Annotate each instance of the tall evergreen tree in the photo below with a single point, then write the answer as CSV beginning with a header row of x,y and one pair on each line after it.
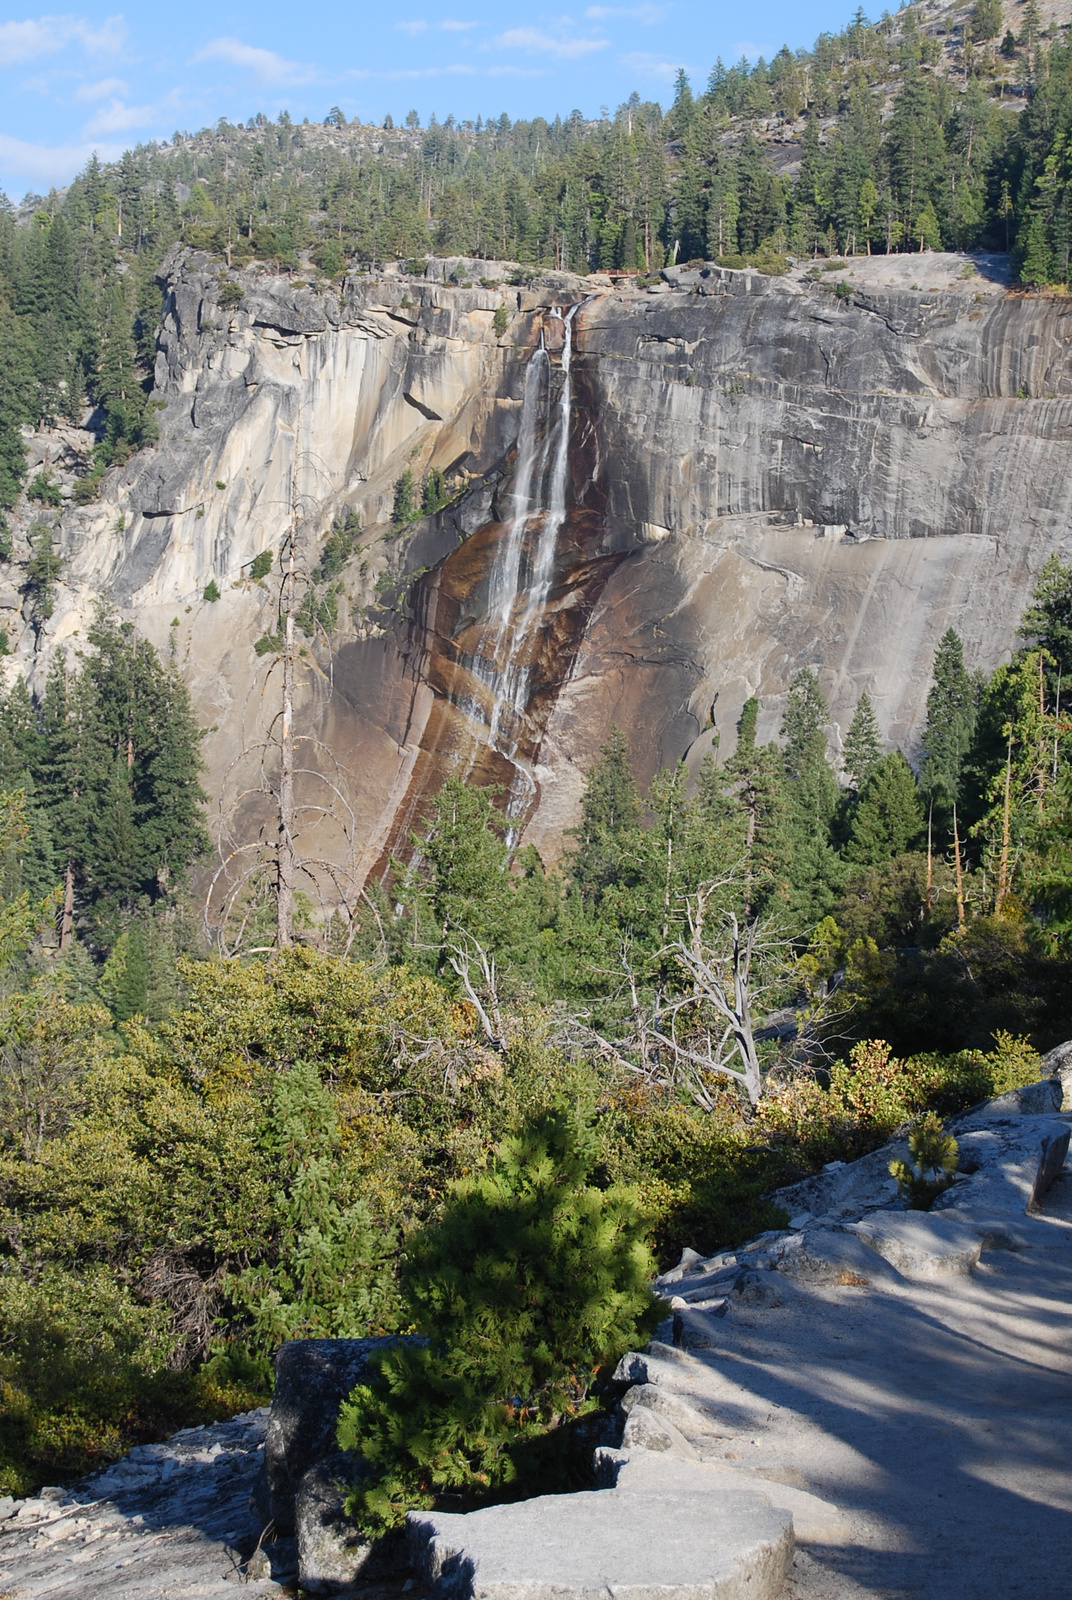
x,y
889,817
812,792
863,745
610,809
947,737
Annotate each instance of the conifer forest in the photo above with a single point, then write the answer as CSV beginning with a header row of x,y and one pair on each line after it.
x,y
721,982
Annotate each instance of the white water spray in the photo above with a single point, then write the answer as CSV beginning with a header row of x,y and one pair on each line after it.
x,y
523,573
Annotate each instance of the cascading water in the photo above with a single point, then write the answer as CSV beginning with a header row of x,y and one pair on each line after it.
x,y
523,572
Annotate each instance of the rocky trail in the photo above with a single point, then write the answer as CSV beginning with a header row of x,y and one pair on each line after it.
x,y
872,1404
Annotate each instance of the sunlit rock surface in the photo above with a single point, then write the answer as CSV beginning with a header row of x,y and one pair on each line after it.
x,y
763,474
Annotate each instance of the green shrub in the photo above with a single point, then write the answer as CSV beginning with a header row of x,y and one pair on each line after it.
x,y
405,503
339,545
330,258
934,1156
328,1272
502,321
530,1283
211,591
874,1092
42,570
844,291
45,490
269,644
261,565
230,295
85,1374
87,489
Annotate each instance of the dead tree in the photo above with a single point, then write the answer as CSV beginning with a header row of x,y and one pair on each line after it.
x,y
292,796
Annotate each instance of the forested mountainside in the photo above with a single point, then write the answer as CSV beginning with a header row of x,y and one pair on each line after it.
x,y
937,126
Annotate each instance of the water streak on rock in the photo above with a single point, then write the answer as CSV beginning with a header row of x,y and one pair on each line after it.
x,y
522,575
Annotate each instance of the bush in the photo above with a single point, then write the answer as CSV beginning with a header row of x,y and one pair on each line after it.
x,y
45,490
934,1155
230,295
330,258
42,570
328,1273
261,565
501,321
875,1092
339,546
211,591
531,1283
87,489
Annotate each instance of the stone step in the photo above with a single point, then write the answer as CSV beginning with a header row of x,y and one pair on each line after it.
x,y
722,1543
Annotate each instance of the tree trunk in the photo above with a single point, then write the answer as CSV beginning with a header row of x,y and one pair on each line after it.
x,y
285,848
1003,863
959,870
67,915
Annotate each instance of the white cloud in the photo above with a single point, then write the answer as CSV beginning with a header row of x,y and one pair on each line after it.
x,y
645,14
418,25
535,42
264,64
649,66
116,117
458,67
101,90
47,165
43,36
745,47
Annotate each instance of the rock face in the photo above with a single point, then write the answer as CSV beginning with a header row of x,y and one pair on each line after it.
x,y
760,476
312,1379
720,1542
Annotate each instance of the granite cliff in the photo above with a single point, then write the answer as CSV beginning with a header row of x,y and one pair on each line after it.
x,y
756,474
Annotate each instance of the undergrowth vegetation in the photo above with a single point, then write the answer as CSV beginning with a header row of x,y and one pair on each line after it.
x,y
516,1089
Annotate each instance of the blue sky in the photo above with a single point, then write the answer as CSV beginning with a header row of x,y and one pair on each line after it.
x,y
103,79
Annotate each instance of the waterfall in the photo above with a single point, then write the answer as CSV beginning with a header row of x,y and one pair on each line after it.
x,y
524,569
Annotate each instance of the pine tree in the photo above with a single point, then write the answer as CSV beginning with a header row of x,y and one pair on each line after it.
x,y
17,398
758,775
813,868
915,147
131,989
610,810
328,1273
863,745
888,820
1047,622
951,714
531,1279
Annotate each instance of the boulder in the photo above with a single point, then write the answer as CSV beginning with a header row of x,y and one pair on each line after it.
x,y
1008,1163
1031,1100
826,1255
815,1521
685,1414
759,1289
312,1379
1057,1063
721,1544
331,1554
920,1245
700,1330
647,1430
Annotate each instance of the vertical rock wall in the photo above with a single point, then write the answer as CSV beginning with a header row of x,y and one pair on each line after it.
x,y
764,475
